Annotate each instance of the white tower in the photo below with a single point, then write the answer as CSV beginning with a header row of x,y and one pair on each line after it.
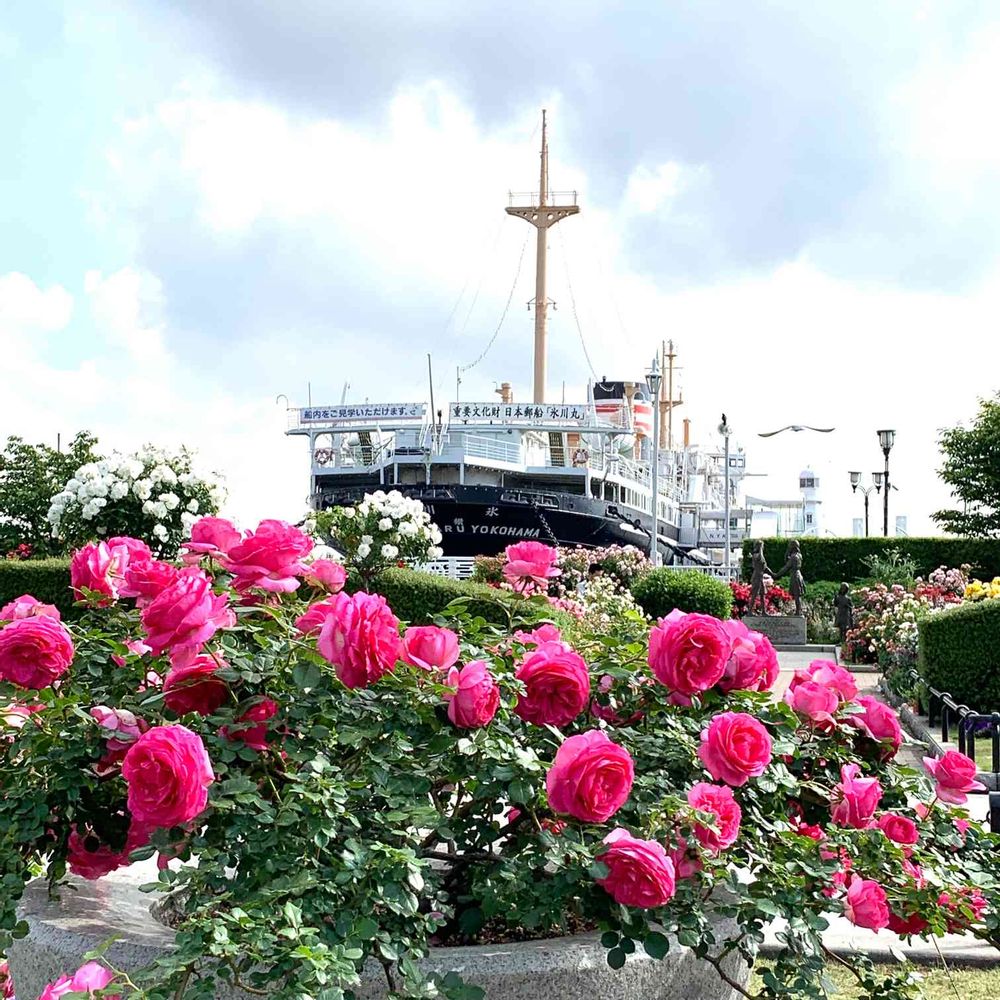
x,y
809,487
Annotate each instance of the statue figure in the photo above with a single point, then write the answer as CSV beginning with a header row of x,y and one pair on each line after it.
x,y
793,566
844,611
759,570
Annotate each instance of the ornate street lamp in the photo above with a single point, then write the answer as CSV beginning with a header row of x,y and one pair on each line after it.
x,y
725,430
876,487
886,440
653,379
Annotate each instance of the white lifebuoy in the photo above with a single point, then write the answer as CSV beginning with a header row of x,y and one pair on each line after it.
x,y
581,456
323,456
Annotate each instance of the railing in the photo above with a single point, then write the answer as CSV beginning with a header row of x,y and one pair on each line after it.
x,y
719,572
529,199
484,446
454,567
947,712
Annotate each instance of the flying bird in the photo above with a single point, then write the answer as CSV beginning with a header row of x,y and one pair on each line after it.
x,y
798,427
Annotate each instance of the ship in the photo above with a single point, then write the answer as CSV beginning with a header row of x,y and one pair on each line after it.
x,y
492,473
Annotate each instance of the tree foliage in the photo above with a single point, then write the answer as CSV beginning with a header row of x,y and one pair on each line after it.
x,y
972,469
30,475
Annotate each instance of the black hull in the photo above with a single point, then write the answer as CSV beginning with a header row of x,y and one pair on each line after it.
x,y
484,520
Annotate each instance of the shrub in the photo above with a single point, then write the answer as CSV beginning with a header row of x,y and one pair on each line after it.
x,y
662,590
46,579
843,558
776,599
959,652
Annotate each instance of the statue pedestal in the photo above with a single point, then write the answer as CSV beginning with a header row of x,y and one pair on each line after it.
x,y
782,630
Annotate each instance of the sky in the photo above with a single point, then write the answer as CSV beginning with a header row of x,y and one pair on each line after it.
x,y
210,208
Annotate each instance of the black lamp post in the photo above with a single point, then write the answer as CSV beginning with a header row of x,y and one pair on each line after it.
x,y
886,440
876,487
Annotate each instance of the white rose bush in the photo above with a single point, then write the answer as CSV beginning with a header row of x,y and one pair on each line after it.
x,y
385,529
152,494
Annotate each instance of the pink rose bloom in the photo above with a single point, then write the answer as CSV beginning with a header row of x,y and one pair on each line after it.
x,y
253,736
879,722
854,801
210,536
906,926
544,633
967,907
14,716
145,581
734,748
813,701
327,574
430,647
168,773
27,606
269,558
475,698
92,976
34,652
185,616
90,859
954,773
639,871
753,665
136,550
688,653
99,568
360,637
58,988
6,983
195,686
530,565
557,685
827,672
685,858
719,801
122,727
899,829
866,904
312,621
590,778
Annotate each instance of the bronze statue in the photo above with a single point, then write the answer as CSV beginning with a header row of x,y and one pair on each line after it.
x,y
760,569
793,566
844,611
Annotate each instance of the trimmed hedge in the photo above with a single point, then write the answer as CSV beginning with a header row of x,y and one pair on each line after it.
x,y
959,652
841,559
662,590
46,579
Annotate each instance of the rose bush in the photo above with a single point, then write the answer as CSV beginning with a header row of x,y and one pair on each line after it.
x,y
352,789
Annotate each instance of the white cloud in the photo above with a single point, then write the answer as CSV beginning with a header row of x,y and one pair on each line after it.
x,y
127,308
651,188
25,308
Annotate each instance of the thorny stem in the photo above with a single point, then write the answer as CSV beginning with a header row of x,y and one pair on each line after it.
x,y
179,995
239,984
727,979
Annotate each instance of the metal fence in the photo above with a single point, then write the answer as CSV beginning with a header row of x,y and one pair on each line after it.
x,y
969,726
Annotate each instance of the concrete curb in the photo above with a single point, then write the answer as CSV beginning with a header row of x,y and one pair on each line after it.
x,y
969,956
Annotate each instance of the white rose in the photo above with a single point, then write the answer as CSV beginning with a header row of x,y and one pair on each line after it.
x,y
73,484
389,552
187,520
143,489
193,505
367,539
347,512
309,525
385,524
170,500
160,510
160,531
364,551
119,490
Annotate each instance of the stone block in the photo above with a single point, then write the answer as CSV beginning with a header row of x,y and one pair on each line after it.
x,y
782,630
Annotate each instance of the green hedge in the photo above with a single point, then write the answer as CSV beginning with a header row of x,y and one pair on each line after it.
x,y
959,652
662,590
841,559
46,579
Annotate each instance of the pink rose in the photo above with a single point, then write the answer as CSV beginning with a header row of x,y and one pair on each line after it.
x,y
145,581
6,983
195,686
210,536
557,685
360,637
854,801
312,621
688,653
99,568
827,672
866,904
91,859
687,861
906,926
253,736
34,652
430,647
965,908
168,773
475,698
879,722
639,871
734,748
27,606
327,574
954,773
590,778
530,566
14,716
86,979
185,616
136,550
813,701
753,665
899,829
269,558
544,633
121,729
717,800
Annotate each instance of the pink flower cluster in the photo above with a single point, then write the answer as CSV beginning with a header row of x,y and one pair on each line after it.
x,y
530,566
88,978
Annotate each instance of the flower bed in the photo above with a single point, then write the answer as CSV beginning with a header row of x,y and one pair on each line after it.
x,y
356,791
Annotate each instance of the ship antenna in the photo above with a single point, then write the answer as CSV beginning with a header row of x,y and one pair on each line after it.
x,y
542,213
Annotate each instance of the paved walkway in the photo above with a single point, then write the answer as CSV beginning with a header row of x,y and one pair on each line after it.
x,y
843,937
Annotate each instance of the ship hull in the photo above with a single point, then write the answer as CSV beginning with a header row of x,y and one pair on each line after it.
x,y
484,520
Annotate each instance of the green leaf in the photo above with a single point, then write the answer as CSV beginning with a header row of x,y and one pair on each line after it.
x,y
609,939
366,928
656,945
616,958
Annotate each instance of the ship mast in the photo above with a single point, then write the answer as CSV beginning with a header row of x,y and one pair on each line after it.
x,y
542,213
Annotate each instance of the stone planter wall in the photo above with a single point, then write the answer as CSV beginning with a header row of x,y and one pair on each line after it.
x,y
88,913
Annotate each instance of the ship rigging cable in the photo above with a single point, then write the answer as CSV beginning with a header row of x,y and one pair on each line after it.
x,y
572,302
503,315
